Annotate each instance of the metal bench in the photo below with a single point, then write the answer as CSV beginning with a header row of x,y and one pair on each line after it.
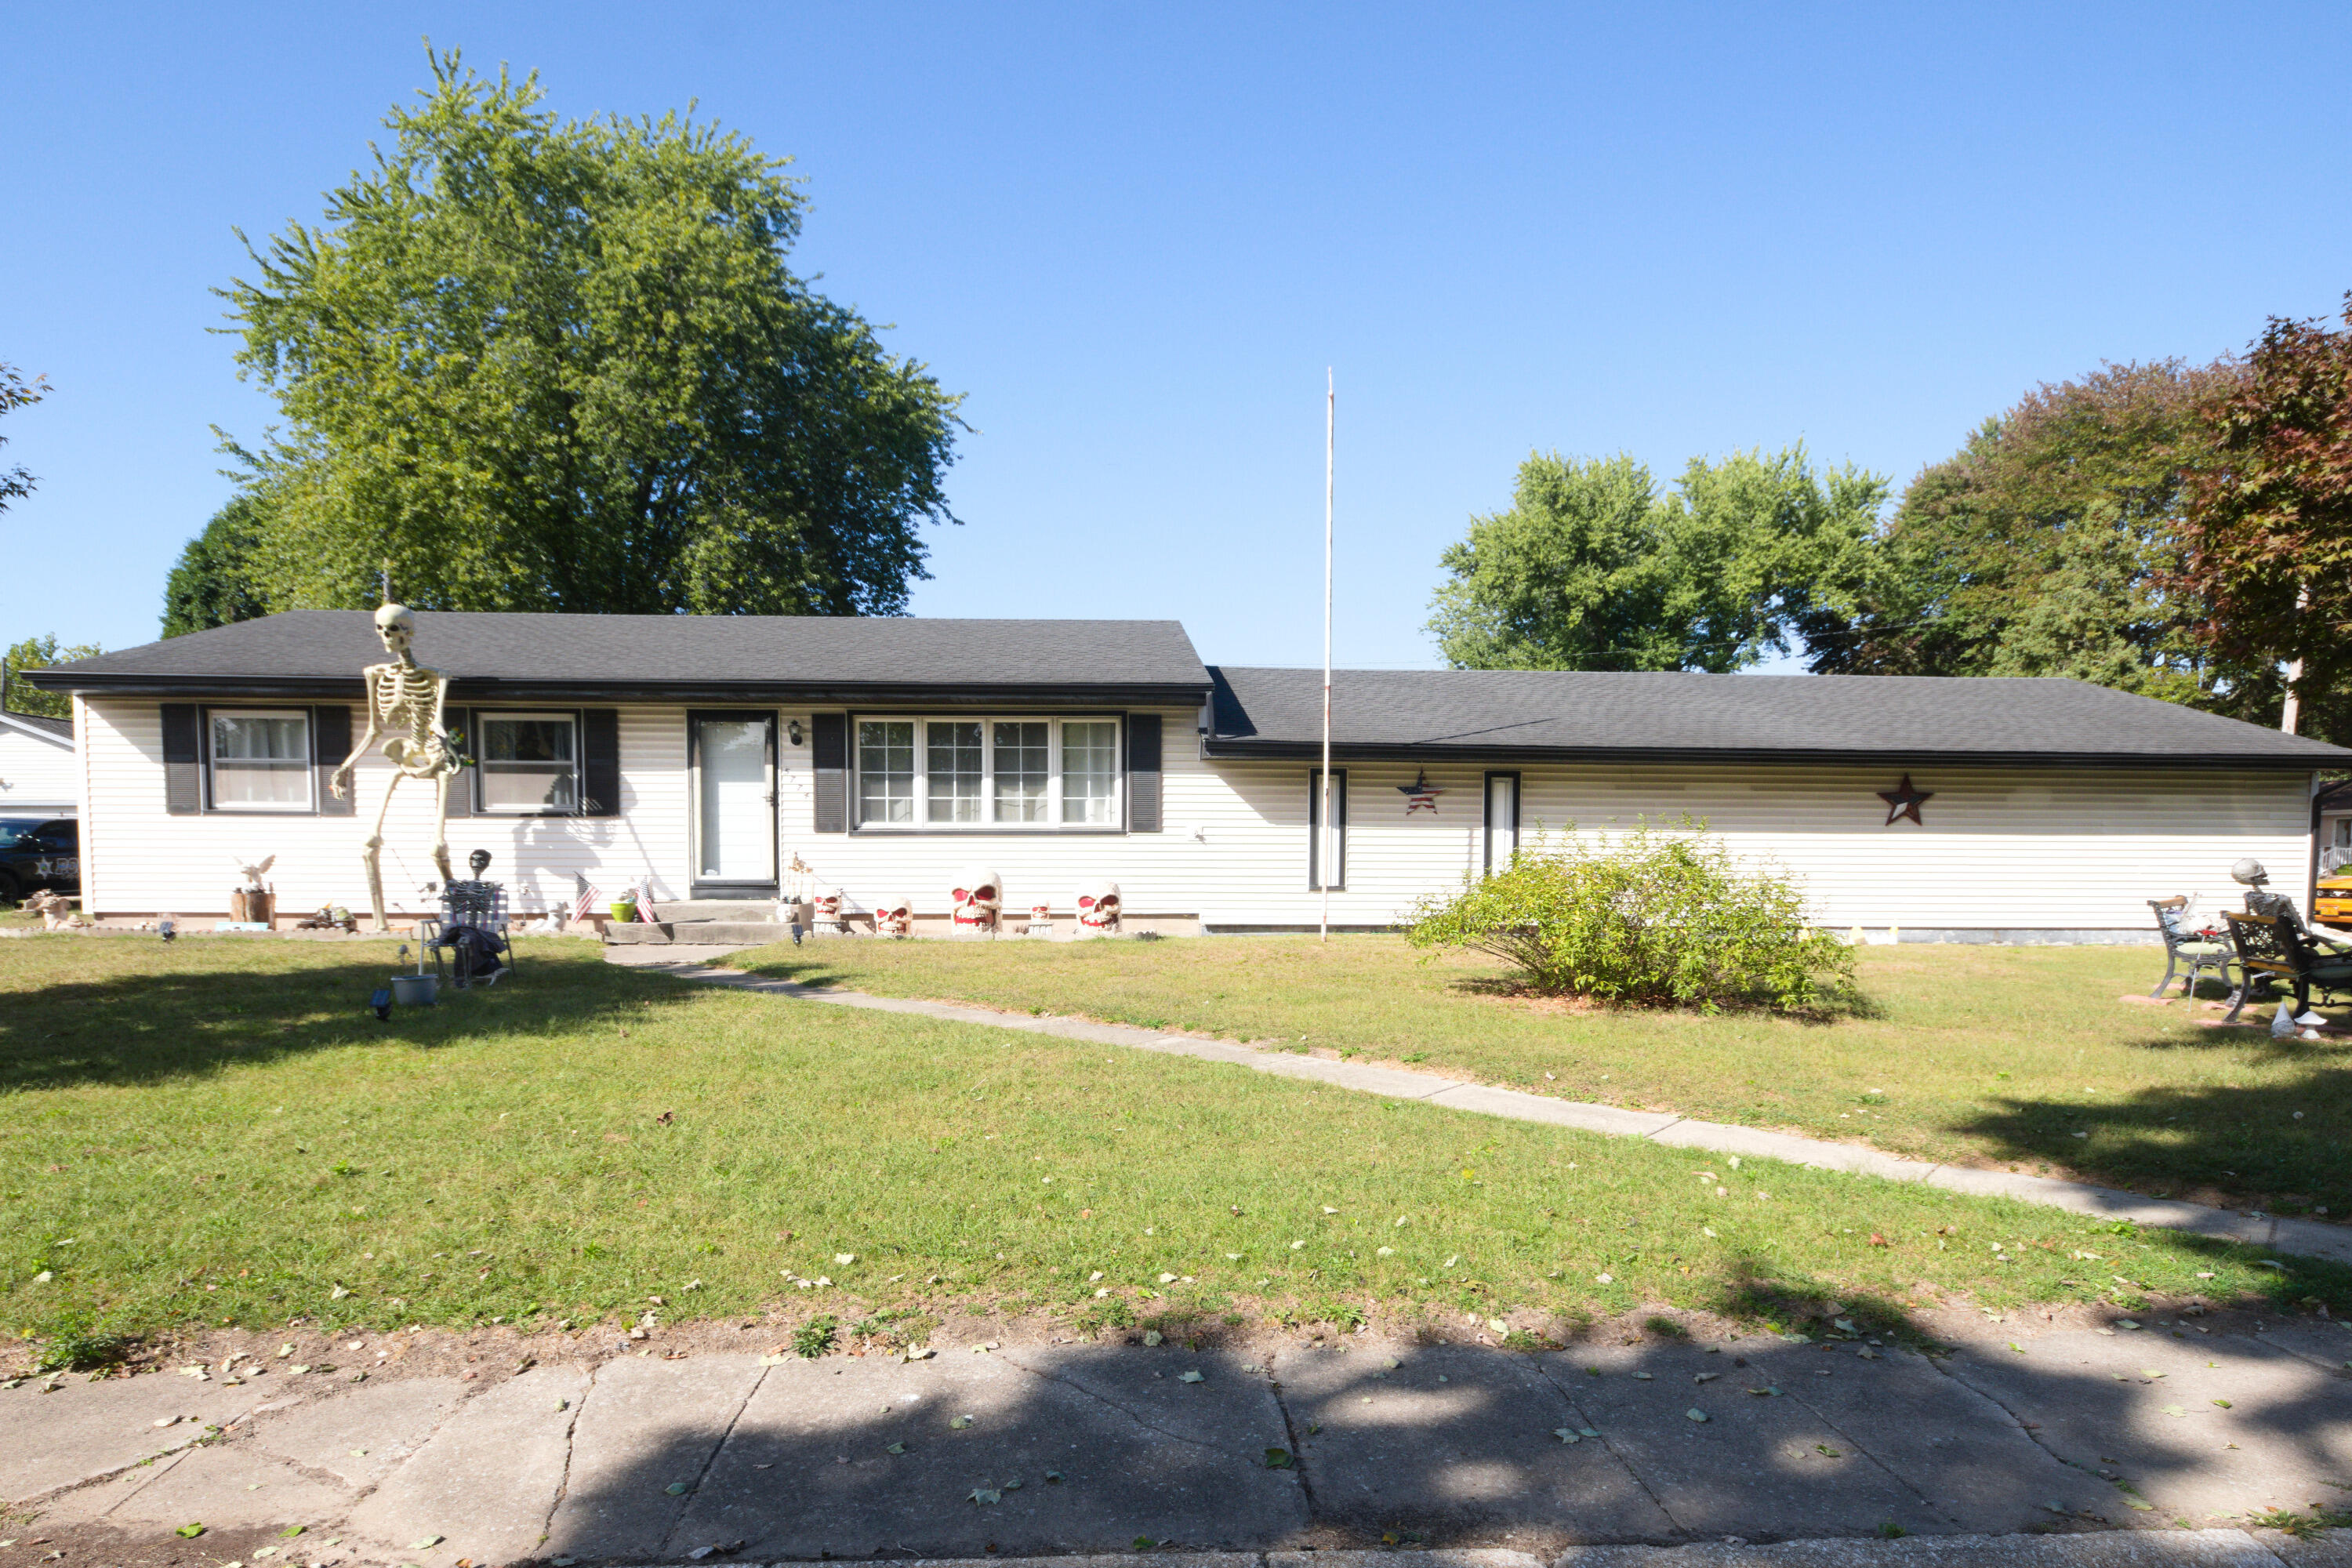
x,y
2183,946
2275,948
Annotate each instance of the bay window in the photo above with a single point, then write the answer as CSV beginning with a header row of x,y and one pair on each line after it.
x,y
979,774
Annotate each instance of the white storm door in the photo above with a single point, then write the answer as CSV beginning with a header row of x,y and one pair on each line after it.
x,y
1502,820
735,800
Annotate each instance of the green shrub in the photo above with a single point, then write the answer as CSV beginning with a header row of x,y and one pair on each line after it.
x,y
1648,918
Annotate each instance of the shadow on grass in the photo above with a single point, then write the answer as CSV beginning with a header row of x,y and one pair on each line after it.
x,y
183,1015
1847,1007
2278,1145
1800,1428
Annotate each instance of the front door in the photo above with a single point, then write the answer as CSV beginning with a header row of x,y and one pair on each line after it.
x,y
734,766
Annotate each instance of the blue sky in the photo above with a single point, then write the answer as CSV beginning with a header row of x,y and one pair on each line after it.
x,y
1134,237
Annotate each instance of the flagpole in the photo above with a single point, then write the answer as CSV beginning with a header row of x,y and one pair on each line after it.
x,y
1328,833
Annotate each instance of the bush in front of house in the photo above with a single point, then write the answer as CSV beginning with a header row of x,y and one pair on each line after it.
x,y
1650,918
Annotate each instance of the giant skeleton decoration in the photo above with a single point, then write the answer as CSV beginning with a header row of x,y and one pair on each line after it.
x,y
404,704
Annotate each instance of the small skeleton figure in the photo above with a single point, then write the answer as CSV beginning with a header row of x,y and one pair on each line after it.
x,y
405,699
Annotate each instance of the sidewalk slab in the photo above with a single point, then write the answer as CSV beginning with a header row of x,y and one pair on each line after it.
x,y
1400,1447
361,1435
1757,1466
228,1486
646,1426
1751,1142
1522,1107
1968,1457
808,1468
2285,1433
88,1429
2114,1549
487,1479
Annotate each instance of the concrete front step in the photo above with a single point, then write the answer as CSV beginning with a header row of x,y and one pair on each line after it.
x,y
701,934
761,910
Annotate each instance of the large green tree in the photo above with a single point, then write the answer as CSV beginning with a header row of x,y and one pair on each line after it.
x,y
532,365
214,583
36,653
2267,538
2050,544
1596,566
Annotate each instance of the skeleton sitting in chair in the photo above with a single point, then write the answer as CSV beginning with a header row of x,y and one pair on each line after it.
x,y
405,703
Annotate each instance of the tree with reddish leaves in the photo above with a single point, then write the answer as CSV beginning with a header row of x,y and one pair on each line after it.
x,y
2267,529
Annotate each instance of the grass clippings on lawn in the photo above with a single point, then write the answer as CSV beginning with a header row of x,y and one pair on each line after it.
x,y
2013,1057
219,1133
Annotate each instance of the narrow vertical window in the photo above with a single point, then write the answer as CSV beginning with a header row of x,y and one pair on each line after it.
x,y
886,770
954,767
1315,835
1023,764
1090,772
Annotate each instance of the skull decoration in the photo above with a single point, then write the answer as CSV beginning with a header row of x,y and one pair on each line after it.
x,y
894,916
978,897
1098,906
825,909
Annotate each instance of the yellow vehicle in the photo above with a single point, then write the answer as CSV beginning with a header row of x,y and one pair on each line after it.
x,y
2331,902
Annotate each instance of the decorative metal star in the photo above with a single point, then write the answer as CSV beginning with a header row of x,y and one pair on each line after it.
x,y
1421,795
1904,801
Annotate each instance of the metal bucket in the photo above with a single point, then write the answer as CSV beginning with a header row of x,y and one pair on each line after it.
x,y
414,990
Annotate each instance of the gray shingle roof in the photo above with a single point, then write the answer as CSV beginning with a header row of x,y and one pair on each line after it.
x,y
1503,714
60,728
719,657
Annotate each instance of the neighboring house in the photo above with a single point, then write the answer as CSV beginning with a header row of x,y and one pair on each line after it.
x,y
39,774
2333,808
706,754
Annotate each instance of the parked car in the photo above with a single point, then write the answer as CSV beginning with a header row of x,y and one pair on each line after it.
x,y
39,852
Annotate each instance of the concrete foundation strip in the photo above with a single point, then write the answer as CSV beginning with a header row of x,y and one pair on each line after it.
x,y
2307,1238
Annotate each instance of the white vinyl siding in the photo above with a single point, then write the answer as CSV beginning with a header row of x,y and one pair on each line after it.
x,y
2002,848
39,775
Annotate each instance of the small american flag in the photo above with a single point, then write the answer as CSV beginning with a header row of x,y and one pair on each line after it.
x,y
583,901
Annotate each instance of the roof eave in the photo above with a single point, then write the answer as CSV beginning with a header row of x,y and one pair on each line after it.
x,y
467,691
1230,748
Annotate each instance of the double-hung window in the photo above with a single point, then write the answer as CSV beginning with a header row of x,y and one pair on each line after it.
x,y
1022,775
529,763
261,760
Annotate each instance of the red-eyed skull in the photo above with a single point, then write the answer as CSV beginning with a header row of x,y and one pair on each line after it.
x,y
826,906
893,917
1099,906
978,897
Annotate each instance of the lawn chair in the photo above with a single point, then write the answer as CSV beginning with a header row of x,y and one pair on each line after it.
x,y
473,929
2181,945
2272,948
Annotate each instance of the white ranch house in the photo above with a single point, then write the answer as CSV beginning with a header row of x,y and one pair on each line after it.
x,y
704,755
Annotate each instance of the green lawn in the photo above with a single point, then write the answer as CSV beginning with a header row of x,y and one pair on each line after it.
x,y
1995,1056
217,1132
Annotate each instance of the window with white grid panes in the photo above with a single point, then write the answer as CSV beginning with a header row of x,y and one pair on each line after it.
x,y
1023,775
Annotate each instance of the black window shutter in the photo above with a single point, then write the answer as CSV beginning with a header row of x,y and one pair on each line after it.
x,y
599,761
829,754
183,780
330,743
1143,772
458,722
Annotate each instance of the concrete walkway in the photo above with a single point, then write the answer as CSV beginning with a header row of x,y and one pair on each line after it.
x,y
2307,1238
1063,1448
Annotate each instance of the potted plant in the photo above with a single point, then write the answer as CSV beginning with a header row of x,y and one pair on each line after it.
x,y
623,910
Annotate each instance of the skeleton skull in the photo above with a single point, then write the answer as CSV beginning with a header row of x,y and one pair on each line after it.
x,y
893,917
825,907
1098,906
396,624
978,897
